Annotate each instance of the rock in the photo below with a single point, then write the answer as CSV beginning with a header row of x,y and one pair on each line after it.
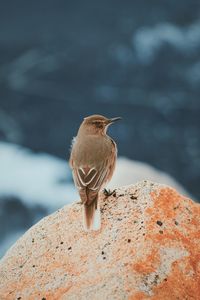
x,y
148,248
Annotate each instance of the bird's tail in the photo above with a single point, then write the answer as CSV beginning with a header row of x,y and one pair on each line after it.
x,y
91,216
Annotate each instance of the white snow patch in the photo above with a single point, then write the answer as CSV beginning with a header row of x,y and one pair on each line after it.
x,y
148,41
35,178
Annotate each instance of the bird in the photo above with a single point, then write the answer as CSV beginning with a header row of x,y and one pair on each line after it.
x,y
92,160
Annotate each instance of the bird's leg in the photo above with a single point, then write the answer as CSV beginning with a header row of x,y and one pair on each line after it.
x,y
108,192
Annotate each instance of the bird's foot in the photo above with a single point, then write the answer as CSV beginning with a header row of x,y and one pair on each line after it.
x,y
108,192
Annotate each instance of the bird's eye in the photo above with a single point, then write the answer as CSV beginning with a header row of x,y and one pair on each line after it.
x,y
98,124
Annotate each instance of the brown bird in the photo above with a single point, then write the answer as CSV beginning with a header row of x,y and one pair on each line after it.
x,y
92,160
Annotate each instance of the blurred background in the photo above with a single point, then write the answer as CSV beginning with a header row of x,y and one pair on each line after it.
x,y
63,60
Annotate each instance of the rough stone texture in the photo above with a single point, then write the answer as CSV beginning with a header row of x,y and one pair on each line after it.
x,y
148,248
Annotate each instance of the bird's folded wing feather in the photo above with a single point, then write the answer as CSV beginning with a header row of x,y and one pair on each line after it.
x,y
91,178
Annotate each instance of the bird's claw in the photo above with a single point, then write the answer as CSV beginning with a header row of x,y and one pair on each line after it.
x,y
108,192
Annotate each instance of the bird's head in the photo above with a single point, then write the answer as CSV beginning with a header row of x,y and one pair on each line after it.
x,y
97,124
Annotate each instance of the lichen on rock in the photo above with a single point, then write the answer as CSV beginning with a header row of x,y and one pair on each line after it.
x,y
148,248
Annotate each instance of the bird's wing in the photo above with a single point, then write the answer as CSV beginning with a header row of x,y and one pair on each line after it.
x,y
91,178
89,181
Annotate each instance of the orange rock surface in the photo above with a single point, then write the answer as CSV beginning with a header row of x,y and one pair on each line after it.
x,y
148,248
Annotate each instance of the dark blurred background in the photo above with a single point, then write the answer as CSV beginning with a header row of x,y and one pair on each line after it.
x,y
63,60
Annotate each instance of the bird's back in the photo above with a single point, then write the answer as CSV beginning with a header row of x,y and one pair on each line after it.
x,y
92,150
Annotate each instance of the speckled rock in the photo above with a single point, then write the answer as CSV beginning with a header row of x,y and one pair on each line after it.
x,y
148,248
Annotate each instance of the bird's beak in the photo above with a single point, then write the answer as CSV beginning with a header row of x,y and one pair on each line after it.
x,y
112,120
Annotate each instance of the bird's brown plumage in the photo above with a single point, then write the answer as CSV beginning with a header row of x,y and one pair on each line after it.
x,y
92,160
